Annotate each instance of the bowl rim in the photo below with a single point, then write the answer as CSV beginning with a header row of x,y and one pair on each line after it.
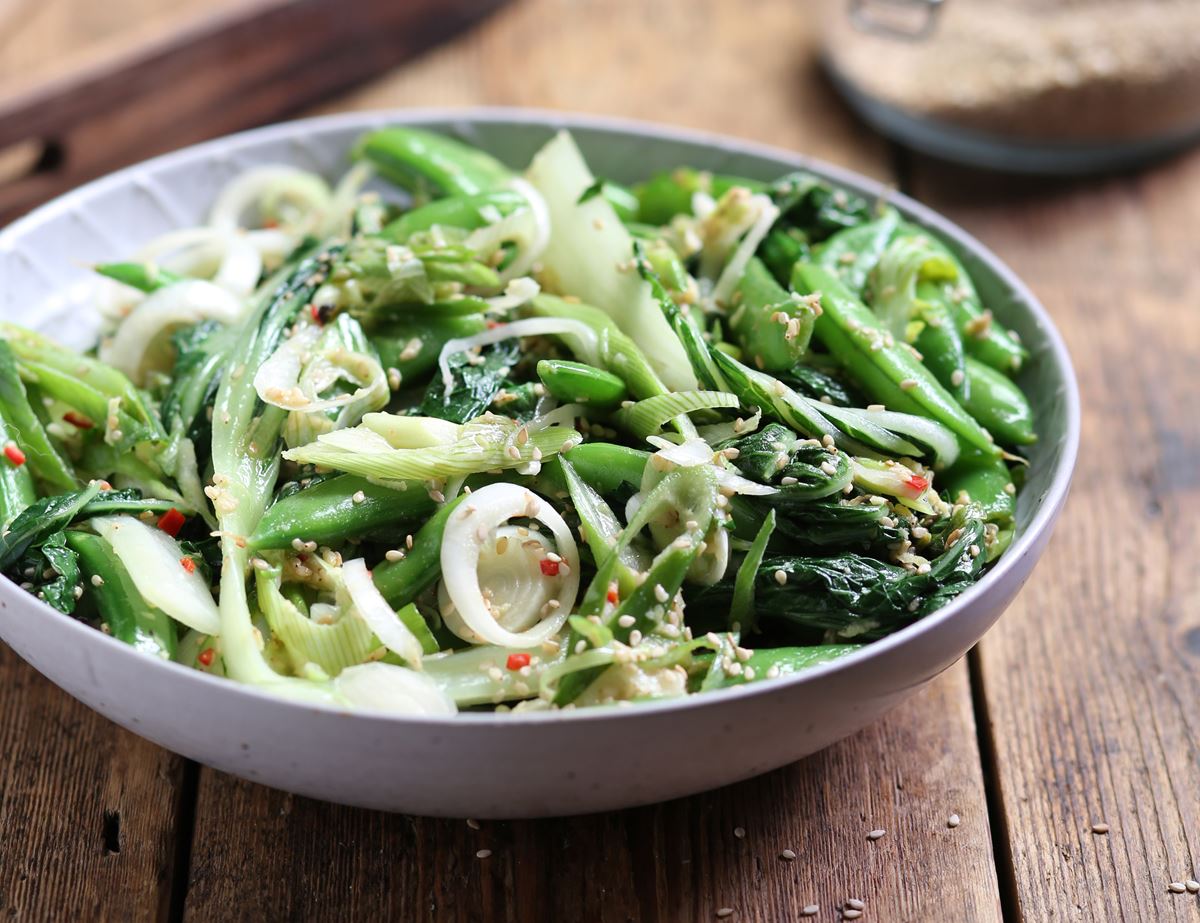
x,y
1056,352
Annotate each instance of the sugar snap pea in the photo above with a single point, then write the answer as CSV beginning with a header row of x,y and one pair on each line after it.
x,y
461,211
887,370
574,381
400,582
772,326
337,508
415,158
999,405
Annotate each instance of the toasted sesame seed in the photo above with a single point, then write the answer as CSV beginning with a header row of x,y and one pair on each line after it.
x,y
953,821
1192,885
1100,828
810,910
957,377
781,576
1177,887
788,855
739,832
660,593
97,580
635,638
437,496
724,912
358,497
472,823
855,904
851,914
876,834
483,854
773,671
908,384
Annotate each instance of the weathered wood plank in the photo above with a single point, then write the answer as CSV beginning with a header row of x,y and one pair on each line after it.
x,y
705,65
89,812
274,855
1092,680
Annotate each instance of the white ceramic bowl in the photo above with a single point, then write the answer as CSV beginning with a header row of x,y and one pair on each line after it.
x,y
480,765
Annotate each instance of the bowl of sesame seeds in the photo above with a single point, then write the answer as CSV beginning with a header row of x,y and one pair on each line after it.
x,y
519,764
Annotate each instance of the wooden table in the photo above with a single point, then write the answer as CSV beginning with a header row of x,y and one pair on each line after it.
x,y
1081,707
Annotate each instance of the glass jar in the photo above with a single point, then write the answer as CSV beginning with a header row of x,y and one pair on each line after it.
x,y
1047,86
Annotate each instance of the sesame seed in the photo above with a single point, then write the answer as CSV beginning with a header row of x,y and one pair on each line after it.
x,y
626,621
953,821
97,580
739,832
635,638
908,384
788,855
855,904
1100,828
660,593
781,576
580,646
483,854
773,671
358,497
851,914
1177,887
810,910
472,823
394,554
1192,885
876,835
957,377
724,912
437,496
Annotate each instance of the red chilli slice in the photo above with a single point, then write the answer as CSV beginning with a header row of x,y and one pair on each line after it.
x,y
205,657
188,564
78,420
172,521
549,568
516,661
918,483
14,455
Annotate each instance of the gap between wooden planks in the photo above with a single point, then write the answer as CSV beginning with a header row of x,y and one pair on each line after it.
x,y
1092,680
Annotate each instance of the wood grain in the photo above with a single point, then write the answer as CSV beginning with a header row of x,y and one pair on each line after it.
x,y
704,65
678,861
1092,680
89,812
248,63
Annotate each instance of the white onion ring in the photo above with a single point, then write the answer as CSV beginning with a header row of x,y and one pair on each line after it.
x,y
473,524
176,305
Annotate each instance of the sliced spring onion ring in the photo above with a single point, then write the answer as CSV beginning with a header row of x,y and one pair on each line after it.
x,y
731,275
278,380
273,188
473,525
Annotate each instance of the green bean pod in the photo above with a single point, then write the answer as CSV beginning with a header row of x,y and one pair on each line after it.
x,y
999,405
762,320
890,374
412,342
338,508
852,254
145,277
414,158
940,344
669,194
606,466
400,582
126,614
461,211
988,482
575,382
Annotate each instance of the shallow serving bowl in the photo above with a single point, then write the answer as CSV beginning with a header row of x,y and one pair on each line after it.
x,y
481,765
